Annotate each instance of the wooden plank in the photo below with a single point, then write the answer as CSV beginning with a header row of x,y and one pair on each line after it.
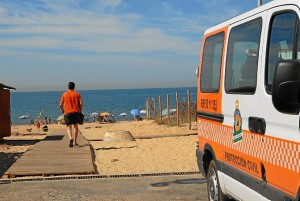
x,y
83,163
53,165
57,166
41,152
54,157
49,171
41,173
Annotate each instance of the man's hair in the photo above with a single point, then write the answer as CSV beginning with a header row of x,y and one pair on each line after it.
x,y
71,85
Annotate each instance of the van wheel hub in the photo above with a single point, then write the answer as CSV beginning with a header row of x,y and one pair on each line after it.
x,y
213,187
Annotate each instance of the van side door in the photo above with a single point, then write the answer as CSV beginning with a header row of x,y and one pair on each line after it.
x,y
278,148
240,103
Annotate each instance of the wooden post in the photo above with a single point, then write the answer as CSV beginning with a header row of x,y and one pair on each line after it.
x,y
168,108
147,108
150,107
189,109
154,106
160,108
177,109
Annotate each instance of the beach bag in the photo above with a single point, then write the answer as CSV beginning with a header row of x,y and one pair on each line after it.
x,y
81,118
45,128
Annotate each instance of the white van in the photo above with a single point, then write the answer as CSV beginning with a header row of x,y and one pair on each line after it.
x,y
248,102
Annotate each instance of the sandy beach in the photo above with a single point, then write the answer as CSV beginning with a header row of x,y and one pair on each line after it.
x,y
156,149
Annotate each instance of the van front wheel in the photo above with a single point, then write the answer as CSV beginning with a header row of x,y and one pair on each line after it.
x,y
213,185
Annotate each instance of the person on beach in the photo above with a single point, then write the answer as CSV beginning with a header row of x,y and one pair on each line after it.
x,y
38,125
71,105
45,121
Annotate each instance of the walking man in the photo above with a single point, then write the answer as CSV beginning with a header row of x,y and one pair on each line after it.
x,y
71,105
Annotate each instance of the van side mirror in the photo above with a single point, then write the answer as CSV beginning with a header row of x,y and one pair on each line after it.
x,y
286,87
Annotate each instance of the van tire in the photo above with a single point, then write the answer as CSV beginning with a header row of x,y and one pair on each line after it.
x,y
213,185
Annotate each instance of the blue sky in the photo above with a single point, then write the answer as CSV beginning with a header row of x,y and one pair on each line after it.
x,y
106,44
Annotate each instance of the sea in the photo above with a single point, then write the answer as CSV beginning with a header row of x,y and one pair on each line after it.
x,y
117,101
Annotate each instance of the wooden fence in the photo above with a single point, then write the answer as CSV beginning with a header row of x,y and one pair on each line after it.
x,y
185,111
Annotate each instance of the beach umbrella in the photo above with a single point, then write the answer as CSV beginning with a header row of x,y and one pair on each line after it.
x,y
143,111
135,112
94,114
173,110
165,112
24,117
123,114
61,117
103,114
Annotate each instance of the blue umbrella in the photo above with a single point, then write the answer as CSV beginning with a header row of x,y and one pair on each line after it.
x,y
94,114
165,112
135,112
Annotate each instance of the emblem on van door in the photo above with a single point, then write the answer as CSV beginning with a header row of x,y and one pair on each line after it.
x,y
237,135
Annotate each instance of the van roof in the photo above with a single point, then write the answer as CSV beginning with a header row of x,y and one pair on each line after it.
x,y
254,11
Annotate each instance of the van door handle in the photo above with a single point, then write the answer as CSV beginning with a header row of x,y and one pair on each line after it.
x,y
257,125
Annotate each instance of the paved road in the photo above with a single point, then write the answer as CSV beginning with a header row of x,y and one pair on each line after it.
x,y
186,187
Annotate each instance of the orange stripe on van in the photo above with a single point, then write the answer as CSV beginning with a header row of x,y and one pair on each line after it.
x,y
281,158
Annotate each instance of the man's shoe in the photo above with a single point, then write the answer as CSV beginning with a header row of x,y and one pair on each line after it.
x,y
71,143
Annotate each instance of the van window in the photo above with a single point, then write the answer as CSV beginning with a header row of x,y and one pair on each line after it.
x,y
211,63
242,57
281,43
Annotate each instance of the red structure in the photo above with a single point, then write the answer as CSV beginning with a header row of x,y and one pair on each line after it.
x,y
5,123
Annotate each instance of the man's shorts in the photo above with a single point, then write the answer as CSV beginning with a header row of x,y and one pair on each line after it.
x,y
72,118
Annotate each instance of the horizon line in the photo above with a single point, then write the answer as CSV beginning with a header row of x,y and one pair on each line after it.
x,y
25,91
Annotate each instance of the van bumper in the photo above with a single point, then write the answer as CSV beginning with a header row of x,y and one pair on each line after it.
x,y
200,155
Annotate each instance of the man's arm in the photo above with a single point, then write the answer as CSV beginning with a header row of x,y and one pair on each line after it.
x,y
80,104
62,108
61,104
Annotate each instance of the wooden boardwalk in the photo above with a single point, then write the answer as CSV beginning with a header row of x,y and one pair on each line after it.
x,y
53,156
